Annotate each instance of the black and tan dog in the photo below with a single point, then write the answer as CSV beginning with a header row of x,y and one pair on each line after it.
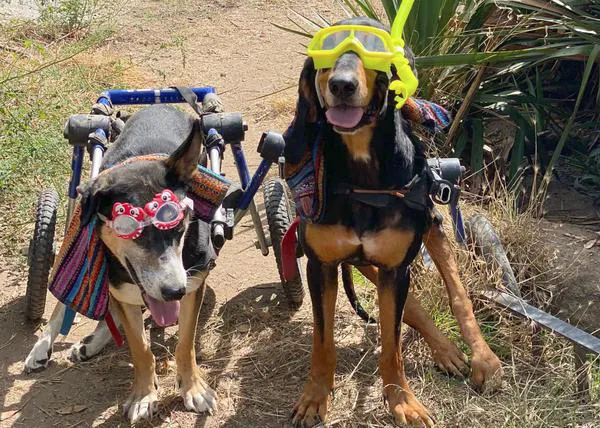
x,y
164,269
374,151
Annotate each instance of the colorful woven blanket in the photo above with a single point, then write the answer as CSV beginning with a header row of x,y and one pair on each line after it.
x,y
430,115
80,274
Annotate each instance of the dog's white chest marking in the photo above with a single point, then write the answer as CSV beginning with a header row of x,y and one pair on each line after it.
x,y
127,293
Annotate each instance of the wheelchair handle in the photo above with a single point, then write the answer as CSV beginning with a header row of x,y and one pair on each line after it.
x,y
150,96
448,169
231,126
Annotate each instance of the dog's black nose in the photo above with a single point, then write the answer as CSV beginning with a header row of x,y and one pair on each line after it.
x,y
343,85
172,293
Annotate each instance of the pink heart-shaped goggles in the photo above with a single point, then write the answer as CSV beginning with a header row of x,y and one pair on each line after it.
x,y
165,212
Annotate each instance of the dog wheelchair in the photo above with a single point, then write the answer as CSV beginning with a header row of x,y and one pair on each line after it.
x,y
94,132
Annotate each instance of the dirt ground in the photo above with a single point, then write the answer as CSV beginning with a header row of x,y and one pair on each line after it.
x,y
245,322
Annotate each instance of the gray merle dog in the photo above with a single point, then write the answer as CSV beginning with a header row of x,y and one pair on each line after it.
x,y
163,268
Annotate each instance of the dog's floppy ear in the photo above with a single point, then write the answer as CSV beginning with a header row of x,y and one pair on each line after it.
x,y
308,113
183,162
91,194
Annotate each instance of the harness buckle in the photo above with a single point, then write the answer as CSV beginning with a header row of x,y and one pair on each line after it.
x,y
443,192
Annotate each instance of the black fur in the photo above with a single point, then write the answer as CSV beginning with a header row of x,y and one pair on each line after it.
x,y
315,279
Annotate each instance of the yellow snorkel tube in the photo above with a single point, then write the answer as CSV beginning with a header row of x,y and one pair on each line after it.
x,y
407,82
377,48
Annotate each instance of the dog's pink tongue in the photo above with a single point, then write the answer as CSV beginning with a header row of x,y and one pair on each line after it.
x,y
344,117
164,313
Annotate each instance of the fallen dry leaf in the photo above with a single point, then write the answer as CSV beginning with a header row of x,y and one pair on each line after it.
x,y
590,244
73,408
243,328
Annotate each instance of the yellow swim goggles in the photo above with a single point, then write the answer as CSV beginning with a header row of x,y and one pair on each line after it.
x,y
377,49
374,46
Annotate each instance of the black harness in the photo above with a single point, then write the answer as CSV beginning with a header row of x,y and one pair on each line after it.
x,y
430,183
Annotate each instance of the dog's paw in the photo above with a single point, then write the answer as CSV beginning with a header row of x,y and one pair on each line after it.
x,y
197,395
486,371
449,359
78,352
139,406
311,408
406,409
39,356
88,347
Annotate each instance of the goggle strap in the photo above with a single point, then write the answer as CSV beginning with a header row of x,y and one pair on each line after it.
x,y
384,106
318,90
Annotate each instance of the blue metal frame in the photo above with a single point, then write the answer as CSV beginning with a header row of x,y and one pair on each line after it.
x,y
171,95
149,96
255,183
459,227
76,165
250,185
240,164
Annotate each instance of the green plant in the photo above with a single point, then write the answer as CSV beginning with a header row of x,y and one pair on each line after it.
x,y
38,92
64,17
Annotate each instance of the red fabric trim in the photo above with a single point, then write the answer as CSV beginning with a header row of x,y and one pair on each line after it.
x,y
116,334
288,252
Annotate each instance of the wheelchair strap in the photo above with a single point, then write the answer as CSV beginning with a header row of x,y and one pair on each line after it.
x,y
190,97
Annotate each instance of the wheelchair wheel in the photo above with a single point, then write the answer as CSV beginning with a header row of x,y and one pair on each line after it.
x,y
280,208
41,253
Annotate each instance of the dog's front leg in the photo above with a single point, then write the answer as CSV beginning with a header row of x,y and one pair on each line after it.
x,y
142,400
40,354
486,370
312,406
445,353
392,291
196,393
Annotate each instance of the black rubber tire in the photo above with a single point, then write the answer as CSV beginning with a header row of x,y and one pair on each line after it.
x,y
280,208
41,253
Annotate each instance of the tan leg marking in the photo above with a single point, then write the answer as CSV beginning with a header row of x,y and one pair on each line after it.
x,y
445,353
142,401
403,405
359,143
388,247
486,370
331,243
312,405
196,393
